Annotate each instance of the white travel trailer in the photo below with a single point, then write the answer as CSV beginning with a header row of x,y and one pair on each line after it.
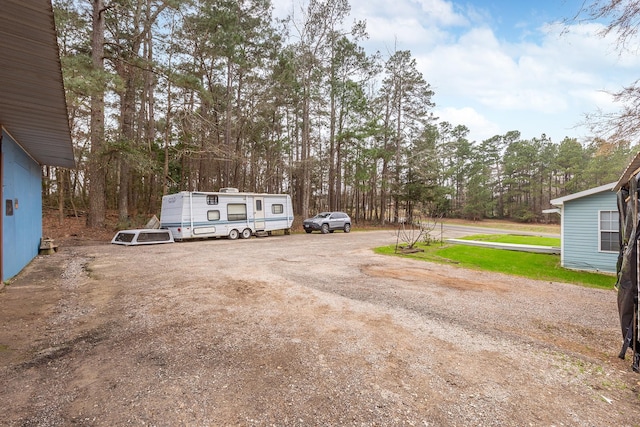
x,y
227,213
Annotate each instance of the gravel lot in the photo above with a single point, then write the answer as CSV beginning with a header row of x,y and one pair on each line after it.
x,y
302,330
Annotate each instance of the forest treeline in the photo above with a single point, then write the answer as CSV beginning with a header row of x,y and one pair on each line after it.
x,y
172,95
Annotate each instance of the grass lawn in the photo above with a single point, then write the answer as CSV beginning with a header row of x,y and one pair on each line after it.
x,y
525,264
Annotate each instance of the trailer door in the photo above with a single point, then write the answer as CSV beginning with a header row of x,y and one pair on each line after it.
x,y
258,213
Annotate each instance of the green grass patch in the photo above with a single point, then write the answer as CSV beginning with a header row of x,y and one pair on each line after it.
x,y
517,239
523,264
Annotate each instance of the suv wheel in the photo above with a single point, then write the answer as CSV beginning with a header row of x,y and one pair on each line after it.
x,y
324,229
347,227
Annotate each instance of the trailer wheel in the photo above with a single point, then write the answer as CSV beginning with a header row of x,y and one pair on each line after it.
x,y
246,233
233,234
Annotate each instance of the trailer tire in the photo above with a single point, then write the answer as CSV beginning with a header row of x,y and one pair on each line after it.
x,y
233,234
246,233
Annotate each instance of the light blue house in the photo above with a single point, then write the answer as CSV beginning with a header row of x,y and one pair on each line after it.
x,y
589,229
34,127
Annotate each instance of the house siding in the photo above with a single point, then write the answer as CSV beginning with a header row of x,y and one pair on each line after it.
x,y
580,233
22,190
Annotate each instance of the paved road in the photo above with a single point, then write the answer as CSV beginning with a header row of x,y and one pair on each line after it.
x,y
456,231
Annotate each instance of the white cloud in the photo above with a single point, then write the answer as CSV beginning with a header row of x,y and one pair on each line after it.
x,y
442,12
602,99
407,31
541,78
475,66
282,8
430,13
493,86
481,128
413,24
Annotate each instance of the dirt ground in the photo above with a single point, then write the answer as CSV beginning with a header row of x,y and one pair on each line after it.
x,y
301,330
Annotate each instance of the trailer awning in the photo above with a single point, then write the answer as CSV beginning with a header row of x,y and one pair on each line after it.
x,y
33,109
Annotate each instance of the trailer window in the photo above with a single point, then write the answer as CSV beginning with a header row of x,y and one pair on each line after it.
x,y
236,212
609,231
277,209
259,205
213,215
212,199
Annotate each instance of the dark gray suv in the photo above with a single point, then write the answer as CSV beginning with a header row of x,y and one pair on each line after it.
x,y
328,222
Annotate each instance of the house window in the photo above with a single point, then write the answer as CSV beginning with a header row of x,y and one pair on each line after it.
x,y
609,231
277,209
212,199
213,215
236,212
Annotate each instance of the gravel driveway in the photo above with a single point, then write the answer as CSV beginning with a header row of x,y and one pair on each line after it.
x,y
302,330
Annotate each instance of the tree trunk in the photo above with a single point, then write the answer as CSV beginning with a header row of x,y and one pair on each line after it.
x,y
305,185
396,201
333,203
128,112
227,127
150,130
97,177
60,182
167,138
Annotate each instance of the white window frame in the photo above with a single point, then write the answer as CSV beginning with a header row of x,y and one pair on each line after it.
x,y
601,230
237,212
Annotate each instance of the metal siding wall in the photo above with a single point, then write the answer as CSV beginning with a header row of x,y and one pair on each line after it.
x,y
22,231
581,240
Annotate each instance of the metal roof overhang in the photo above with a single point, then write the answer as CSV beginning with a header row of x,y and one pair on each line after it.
x,y
33,108
560,200
632,169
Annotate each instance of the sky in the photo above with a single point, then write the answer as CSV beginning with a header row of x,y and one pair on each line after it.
x,y
498,66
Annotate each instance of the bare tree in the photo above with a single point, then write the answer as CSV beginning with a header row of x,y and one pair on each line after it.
x,y
418,230
623,22
623,18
